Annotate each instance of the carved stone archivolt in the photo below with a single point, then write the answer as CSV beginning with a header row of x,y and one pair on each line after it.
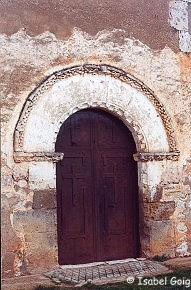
x,y
133,126
95,69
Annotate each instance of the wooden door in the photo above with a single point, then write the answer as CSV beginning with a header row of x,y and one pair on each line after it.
x,y
97,199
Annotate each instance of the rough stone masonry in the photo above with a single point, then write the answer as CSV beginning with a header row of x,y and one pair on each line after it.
x,y
130,58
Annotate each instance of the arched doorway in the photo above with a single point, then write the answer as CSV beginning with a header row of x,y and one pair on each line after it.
x,y
97,191
114,90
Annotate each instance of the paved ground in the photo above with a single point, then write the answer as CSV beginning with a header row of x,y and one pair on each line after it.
x,y
100,273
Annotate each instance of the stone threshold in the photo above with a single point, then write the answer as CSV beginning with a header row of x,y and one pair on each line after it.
x,y
105,272
101,263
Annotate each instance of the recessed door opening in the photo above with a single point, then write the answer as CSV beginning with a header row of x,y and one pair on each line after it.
x,y
97,189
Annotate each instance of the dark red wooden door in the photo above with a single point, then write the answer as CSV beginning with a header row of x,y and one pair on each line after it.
x,y
97,199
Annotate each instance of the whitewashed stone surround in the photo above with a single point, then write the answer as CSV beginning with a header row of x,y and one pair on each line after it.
x,y
68,91
179,19
92,86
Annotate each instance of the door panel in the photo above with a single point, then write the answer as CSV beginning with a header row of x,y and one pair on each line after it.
x,y
75,208
114,206
80,131
117,197
75,200
96,189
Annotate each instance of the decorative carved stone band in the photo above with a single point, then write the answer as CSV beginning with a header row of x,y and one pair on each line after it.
x,y
57,156
94,69
38,156
158,156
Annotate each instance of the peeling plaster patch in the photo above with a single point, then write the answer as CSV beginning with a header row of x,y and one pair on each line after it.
x,y
179,19
11,219
20,262
42,176
189,204
179,15
189,16
181,227
185,41
182,249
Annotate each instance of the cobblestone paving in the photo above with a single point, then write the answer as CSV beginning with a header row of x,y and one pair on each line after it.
x,y
105,272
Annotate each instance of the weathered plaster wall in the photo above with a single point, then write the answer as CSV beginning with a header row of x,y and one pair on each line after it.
x,y
61,17
28,198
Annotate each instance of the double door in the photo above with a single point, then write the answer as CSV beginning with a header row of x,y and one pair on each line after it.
x,y
97,206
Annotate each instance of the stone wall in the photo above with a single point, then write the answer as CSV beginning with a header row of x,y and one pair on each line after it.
x,y
32,54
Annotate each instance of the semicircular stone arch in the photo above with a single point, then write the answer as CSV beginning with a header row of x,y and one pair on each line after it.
x,y
102,86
